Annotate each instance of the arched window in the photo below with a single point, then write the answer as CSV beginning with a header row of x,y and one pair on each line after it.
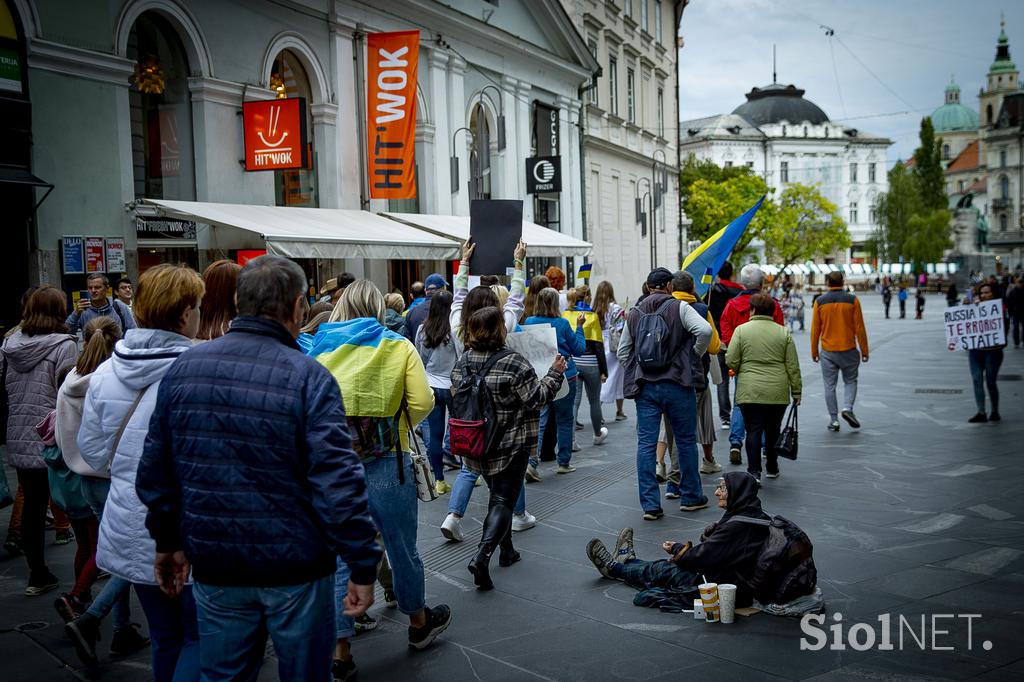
x,y
1004,187
480,160
295,187
161,111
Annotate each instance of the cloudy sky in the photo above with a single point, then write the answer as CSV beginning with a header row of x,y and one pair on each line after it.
x,y
888,56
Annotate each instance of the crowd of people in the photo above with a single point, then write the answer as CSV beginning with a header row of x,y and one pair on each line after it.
x,y
243,460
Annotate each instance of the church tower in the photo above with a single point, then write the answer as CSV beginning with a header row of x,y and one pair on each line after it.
x,y
1003,79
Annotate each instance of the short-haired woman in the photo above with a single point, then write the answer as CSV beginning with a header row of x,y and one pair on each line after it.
x,y
518,395
570,343
763,356
121,397
34,356
386,394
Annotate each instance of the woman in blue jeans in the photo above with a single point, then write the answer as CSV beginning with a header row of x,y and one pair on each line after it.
x,y
439,348
386,394
570,344
984,364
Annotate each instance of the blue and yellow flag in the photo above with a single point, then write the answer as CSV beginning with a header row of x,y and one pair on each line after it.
x,y
706,260
591,324
584,272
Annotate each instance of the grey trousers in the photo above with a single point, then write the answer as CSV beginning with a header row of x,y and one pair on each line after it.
x,y
832,363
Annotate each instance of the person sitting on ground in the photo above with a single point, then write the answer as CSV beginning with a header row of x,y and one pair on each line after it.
x,y
726,553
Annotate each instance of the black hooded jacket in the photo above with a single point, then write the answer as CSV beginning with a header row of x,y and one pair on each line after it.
x,y
728,551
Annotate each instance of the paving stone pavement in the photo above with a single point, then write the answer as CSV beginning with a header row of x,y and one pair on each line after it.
x,y
917,514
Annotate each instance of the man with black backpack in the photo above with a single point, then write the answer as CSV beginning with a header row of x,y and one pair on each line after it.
x,y
660,351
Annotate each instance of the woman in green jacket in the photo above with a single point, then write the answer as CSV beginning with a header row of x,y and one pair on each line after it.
x,y
763,357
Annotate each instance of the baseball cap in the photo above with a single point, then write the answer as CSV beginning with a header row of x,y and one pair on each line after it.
x,y
435,281
659,277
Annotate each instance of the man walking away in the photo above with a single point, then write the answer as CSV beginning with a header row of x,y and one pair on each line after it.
x,y
886,296
1015,307
249,472
417,314
720,294
838,327
98,305
663,376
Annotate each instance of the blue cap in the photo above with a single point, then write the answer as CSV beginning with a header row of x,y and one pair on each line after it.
x,y
435,281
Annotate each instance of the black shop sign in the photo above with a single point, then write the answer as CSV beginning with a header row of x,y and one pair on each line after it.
x,y
543,174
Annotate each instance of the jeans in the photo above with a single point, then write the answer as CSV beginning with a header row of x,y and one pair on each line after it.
x,y
590,377
643,575
848,362
724,405
679,404
984,366
173,633
234,623
394,509
36,487
764,421
116,593
562,409
463,490
737,432
435,435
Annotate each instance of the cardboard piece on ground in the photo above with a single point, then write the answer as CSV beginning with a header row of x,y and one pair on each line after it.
x,y
495,226
539,345
747,611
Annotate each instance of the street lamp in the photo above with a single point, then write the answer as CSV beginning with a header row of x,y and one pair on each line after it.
x,y
641,216
501,114
453,162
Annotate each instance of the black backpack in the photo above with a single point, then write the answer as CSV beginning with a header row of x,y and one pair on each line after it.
x,y
649,342
472,425
785,565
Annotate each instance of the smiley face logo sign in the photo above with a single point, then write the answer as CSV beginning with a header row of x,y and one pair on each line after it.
x,y
543,174
275,134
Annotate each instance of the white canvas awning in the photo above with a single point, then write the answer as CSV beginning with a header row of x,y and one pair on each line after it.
x,y
318,232
540,240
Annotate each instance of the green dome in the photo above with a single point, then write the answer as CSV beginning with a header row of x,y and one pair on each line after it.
x,y
950,117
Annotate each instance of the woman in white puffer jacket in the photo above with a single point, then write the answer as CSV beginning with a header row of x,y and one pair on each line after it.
x,y
167,311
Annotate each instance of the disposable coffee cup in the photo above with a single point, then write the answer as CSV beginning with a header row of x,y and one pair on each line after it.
x,y
727,602
698,609
709,596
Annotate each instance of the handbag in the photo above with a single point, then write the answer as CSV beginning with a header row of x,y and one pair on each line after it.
x,y
425,483
788,442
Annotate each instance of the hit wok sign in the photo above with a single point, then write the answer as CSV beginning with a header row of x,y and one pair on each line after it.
x,y
391,113
275,134
973,326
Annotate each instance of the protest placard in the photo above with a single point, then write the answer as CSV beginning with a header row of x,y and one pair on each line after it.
x,y
539,345
978,325
495,226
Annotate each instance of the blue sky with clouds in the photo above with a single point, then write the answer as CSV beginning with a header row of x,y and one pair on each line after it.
x,y
889,56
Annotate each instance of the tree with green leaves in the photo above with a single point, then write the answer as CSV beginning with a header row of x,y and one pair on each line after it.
x,y
928,169
805,224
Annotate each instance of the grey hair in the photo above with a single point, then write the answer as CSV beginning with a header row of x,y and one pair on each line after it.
x,y
362,298
98,275
268,287
751,276
683,281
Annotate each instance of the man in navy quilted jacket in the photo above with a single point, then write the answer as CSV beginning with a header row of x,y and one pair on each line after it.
x,y
253,487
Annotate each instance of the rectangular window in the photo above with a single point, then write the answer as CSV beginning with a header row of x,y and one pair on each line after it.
x,y
630,95
657,20
784,171
853,172
853,212
661,112
871,215
1002,158
613,85
871,172
592,96
627,8
644,24
728,164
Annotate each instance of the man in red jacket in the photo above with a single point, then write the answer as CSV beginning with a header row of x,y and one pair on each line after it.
x,y
736,312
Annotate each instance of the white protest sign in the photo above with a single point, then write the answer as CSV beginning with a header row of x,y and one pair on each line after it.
x,y
978,325
539,345
474,281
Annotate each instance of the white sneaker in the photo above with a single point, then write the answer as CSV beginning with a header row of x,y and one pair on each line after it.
x,y
452,528
575,446
600,438
524,521
711,467
532,475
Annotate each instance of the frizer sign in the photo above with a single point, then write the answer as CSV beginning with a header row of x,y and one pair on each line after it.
x,y
275,134
543,174
391,113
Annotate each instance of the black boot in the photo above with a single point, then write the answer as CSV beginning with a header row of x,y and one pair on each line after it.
x,y
508,554
497,524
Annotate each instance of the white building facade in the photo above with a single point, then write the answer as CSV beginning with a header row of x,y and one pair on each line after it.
x,y
788,139
95,125
630,127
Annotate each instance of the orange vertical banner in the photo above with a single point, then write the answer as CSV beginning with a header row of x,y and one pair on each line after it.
x,y
391,113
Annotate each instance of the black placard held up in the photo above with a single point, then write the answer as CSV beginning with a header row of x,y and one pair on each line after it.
x,y
495,226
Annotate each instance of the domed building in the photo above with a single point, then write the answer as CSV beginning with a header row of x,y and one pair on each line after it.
x,y
785,138
955,123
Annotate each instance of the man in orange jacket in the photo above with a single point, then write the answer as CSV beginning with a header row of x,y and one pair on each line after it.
x,y
838,327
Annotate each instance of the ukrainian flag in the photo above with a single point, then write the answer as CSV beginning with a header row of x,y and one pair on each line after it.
x,y
706,260
584,272
591,324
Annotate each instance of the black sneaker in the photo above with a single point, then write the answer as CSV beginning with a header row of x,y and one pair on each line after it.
x,y
653,515
365,623
979,418
69,607
41,583
12,545
84,632
735,455
438,620
994,417
850,418
344,670
695,506
390,600
127,641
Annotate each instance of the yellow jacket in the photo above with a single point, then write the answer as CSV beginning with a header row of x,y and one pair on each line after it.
x,y
716,342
